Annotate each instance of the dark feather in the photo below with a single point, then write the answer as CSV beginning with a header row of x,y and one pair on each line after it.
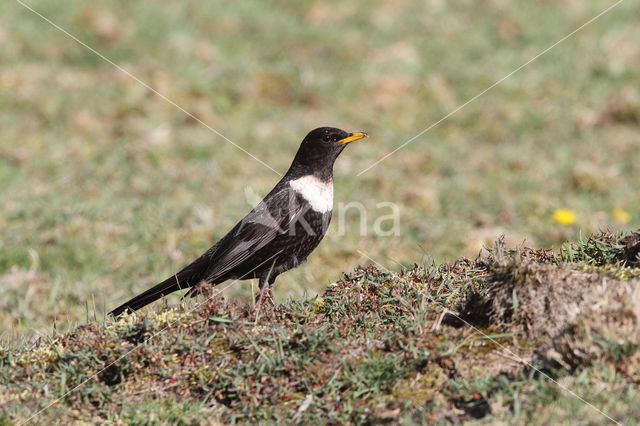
x,y
229,257
275,236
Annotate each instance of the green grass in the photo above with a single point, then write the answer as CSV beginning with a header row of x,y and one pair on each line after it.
x,y
107,188
434,343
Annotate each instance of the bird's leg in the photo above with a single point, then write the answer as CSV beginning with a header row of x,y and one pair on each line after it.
x,y
269,295
266,291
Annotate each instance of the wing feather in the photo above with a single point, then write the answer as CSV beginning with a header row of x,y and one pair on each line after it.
x,y
261,226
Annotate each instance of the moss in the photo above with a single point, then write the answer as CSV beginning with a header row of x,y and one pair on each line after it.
x,y
612,271
420,388
45,354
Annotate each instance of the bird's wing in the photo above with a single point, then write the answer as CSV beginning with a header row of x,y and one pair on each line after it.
x,y
274,215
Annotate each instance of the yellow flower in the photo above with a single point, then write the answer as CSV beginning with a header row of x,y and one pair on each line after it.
x,y
621,215
564,217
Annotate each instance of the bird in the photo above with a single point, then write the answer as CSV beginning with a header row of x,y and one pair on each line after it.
x,y
274,237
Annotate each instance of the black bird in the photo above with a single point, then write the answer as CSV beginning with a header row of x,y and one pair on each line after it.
x,y
278,234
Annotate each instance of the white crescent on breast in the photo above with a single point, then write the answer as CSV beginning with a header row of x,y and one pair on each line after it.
x,y
319,194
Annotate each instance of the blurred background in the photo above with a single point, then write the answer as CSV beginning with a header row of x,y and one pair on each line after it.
x,y
106,188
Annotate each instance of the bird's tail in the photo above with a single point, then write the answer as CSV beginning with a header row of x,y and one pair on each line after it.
x,y
189,276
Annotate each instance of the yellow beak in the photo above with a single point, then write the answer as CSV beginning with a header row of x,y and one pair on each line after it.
x,y
353,137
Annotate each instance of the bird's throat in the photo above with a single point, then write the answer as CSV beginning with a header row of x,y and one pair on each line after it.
x,y
318,193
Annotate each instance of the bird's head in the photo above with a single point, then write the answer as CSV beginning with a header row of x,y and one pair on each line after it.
x,y
331,138
320,148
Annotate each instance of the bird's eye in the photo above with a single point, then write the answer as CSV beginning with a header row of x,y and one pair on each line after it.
x,y
326,138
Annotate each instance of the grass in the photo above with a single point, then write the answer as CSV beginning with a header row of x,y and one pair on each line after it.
x,y
433,343
108,189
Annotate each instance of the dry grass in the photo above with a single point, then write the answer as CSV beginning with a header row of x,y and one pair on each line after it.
x,y
573,317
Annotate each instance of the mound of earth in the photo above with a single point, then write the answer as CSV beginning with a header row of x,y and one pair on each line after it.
x,y
432,343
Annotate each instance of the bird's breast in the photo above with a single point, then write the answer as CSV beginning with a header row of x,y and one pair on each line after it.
x,y
317,193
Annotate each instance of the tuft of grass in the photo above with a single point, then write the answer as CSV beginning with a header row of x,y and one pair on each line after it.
x,y
605,248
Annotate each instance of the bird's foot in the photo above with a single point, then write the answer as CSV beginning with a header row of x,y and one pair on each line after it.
x,y
265,295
